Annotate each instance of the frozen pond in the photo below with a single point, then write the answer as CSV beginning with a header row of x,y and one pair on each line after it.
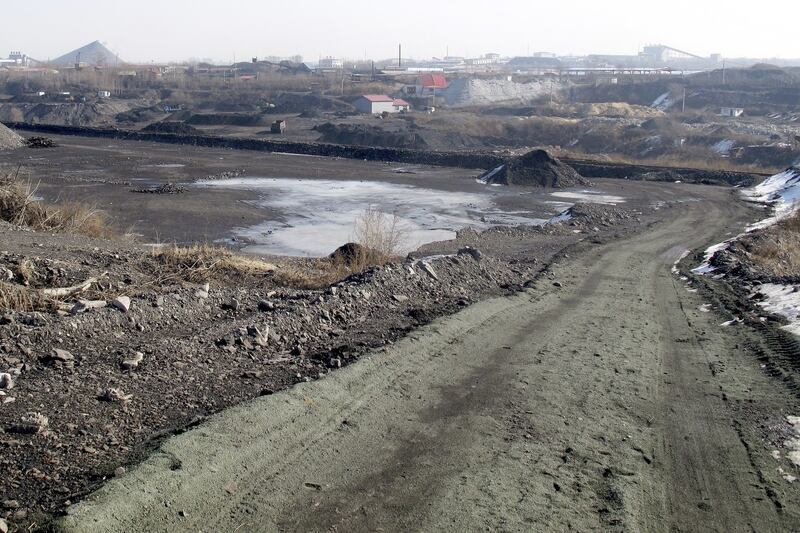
x,y
593,197
312,217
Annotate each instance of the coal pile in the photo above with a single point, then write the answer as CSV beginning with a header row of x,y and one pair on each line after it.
x,y
40,142
537,168
180,128
167,188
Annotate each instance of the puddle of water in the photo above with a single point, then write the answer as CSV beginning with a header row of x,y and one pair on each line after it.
x,y
314,217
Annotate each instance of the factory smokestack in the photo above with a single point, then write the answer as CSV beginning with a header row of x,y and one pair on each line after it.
x,y
400,56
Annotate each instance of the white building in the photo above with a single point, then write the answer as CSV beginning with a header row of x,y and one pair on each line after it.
x,y
375,104
401,106
104,94
732,112
331,63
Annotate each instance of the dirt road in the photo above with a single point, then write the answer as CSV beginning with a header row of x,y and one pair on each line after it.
x,y
611,402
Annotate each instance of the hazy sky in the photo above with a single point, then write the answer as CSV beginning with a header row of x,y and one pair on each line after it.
x,y
150,30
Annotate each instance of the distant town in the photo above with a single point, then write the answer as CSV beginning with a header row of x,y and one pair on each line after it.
x,y
656,59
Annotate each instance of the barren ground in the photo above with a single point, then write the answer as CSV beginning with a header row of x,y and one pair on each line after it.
x,y
580,386
611,402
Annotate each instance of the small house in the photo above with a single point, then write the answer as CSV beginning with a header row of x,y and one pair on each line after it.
x,y
401,106
375,104
104,94
429,84
731,112
279,126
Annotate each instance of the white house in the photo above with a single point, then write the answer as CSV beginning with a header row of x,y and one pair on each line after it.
x,y
400,105
375,104
731,112
104,94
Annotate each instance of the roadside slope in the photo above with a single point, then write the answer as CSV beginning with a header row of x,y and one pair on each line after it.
x,y
611,402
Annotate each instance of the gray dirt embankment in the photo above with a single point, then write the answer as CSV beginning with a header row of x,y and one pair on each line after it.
x,y
9,140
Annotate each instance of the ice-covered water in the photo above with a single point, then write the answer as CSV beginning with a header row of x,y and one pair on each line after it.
x,y
594,197
312,217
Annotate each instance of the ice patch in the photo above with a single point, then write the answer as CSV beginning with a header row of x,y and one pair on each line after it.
x,y
592,197
312,217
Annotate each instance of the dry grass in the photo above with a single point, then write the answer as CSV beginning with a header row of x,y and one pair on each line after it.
x,y
18,205
380,239
15,297
777,249
381,236
203,262
26,272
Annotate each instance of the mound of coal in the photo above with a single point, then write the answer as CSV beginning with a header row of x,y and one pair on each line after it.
x,y
364,135
139,114
350,253
229,119
537,168
40,142
167,188
180,128
9,140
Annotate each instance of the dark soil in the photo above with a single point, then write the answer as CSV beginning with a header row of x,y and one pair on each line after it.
x,y
367,135
171,127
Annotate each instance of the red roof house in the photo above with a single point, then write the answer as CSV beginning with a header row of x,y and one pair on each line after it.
x,y
432,81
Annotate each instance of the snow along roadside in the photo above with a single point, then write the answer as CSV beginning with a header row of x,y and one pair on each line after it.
x,y
781,193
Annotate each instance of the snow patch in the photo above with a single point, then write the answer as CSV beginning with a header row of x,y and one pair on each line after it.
x,y
489,175
781,192
678,260
793,444
724,147
663,102
781,300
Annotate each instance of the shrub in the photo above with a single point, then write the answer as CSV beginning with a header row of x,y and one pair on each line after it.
x,y
19,206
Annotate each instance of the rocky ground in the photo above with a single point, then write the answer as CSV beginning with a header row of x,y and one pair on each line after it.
x,y
88,391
